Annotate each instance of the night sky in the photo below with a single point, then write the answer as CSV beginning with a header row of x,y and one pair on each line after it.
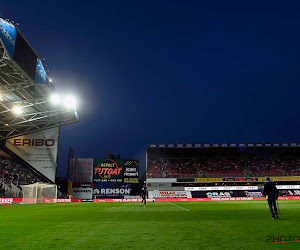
x,y
168,71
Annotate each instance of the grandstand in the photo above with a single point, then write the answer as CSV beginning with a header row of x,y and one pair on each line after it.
x,y
175,167
28,118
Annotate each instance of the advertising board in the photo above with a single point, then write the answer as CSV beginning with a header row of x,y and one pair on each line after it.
x,y
169,194
111,190
108,170
8,34
131,171
40,73
84,170
38,149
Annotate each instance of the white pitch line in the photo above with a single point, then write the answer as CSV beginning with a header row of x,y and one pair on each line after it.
x,y
179,206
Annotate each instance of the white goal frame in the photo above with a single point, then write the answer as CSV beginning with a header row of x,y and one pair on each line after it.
x,y
39,193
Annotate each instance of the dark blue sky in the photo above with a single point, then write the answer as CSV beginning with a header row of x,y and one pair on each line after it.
x,y
168,71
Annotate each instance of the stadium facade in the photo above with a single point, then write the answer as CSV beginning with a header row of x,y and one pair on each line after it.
x,y
29,122
221,170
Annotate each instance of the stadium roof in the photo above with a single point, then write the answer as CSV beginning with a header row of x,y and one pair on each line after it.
x,y
19,87
222,145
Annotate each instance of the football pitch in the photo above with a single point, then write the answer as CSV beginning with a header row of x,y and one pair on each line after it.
x,y
159,225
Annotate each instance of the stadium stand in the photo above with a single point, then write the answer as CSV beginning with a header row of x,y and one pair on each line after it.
x,y
214,167
13,174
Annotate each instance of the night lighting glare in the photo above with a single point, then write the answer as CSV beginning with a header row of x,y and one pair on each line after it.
x,y
17,110
69,102
55,99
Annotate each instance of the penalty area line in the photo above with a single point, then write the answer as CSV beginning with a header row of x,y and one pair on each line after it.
x,y
179,206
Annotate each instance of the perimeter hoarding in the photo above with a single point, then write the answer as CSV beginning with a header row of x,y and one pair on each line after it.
x,y
169,194
111,190
38,149
82,190
108,170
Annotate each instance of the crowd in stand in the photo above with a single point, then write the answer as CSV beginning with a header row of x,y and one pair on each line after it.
x,y
12,172
213,167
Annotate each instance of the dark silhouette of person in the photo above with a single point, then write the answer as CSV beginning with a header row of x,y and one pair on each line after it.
x,y
143,195
271,193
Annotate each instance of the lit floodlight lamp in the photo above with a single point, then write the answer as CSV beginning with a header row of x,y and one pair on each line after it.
x,y
70,102
50,80
55,99
17,110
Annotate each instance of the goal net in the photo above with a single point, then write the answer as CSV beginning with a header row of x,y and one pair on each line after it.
x,y
39,193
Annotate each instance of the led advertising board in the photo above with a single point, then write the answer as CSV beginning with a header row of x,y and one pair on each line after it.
x,y
131,171
108,170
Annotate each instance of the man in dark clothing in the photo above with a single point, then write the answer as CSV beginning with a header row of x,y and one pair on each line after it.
x,y
271,193
143,195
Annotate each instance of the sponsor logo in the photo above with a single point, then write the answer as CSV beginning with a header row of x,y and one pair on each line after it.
x,y
85,190
241,179
116,191
107,169
131,169
131,174
34,142
41,71
131,180
7,35
294,192
253,194
166,194
6,201
218,194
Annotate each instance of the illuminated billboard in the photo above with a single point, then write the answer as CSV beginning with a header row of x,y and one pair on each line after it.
x,y
40,73
131,171
8,34
108,170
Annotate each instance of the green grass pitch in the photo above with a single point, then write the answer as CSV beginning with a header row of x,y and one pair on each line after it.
x,y
159,225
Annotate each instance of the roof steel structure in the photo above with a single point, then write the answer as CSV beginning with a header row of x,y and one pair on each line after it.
x,y
17,89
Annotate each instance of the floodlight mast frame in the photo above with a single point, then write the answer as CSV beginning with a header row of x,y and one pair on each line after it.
x,y
18,89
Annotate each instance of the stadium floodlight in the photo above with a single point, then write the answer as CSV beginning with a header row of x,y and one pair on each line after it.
x,y
69,102
55,99
50,80
17,110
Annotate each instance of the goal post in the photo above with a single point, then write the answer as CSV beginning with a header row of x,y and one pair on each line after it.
x,y
39,193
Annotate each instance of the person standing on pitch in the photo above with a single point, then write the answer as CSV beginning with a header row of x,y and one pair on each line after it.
x,y
271,193
143,195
